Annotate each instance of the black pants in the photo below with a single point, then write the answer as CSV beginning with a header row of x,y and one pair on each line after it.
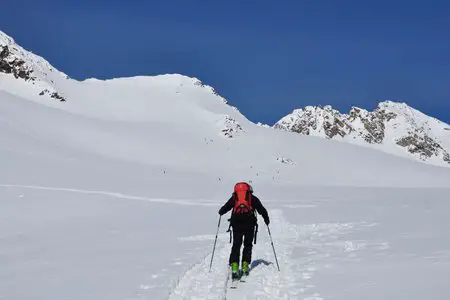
x,y
242,233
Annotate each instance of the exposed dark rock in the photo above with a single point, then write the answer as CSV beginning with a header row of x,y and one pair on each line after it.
x,y
199,83
57,96
232,128
374,124
336,128
14,66
4,53
215,92
19,69
422,145
53,95
447,157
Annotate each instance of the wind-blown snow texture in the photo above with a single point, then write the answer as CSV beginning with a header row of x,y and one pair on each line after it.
x,y
113,194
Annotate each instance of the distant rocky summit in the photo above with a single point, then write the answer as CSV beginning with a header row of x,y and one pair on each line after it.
x,y
392,127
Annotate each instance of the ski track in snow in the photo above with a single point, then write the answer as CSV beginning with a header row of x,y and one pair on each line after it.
x,y
111,194
319,242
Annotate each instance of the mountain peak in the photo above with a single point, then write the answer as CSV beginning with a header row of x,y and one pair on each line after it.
x,y
390,103
393,127
13,53
27,72
394,106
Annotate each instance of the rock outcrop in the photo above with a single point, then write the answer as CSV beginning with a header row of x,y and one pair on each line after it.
x,y
393,127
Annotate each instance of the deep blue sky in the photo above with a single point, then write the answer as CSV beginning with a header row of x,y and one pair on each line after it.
x,y
265,57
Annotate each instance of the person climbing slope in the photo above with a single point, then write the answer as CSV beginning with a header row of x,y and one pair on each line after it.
x,y
244,206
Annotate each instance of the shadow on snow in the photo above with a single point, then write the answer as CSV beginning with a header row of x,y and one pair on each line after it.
x,y
258,262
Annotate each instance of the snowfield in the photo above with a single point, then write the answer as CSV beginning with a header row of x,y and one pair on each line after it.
x,y
114,193
342,243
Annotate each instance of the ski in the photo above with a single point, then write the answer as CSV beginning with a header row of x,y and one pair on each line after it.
x,y
242,276
234,280
234,284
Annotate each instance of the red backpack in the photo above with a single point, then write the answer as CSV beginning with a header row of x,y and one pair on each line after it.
x,y
242,198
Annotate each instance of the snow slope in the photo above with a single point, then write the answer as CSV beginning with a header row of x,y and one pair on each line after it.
x,y
194,144
113,194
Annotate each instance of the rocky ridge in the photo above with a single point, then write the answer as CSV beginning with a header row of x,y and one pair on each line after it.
x,y
392,127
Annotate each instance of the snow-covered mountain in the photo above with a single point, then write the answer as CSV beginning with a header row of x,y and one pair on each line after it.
x,y
177,122
392,127
27,68
110,190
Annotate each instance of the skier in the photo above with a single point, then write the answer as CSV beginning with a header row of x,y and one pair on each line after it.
x,y
243,221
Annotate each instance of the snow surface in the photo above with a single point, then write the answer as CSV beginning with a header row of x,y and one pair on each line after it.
x,y
342,243
114,195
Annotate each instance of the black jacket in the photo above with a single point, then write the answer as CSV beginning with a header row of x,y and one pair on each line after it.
x,y
249,218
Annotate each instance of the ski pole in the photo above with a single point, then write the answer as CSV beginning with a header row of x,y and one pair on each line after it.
x,y
273,247
215,241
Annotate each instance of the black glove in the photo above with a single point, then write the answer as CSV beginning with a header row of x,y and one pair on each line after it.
x,y
267,221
